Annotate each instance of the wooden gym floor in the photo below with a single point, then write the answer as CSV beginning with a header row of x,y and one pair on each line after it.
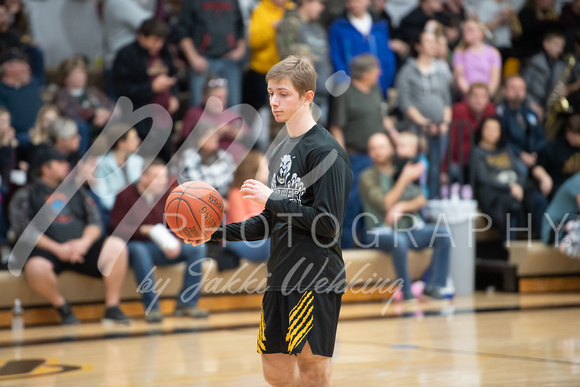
x,y
484,340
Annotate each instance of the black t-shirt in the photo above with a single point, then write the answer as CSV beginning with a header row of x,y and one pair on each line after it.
x,y
560,160
311,177
71,218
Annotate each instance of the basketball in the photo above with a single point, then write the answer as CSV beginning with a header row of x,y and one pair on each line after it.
x,y
194,209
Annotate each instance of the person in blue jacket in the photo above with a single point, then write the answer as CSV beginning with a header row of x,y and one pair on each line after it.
x,y
357,33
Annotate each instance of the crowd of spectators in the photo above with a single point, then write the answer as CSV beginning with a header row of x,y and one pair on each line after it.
x,y
459,92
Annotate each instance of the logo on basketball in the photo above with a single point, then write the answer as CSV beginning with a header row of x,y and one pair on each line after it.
x,y
194,209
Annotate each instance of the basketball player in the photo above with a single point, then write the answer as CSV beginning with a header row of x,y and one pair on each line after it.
x,y
310,178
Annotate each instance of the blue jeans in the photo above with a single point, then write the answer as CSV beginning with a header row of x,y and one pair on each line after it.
x,y
436,154
398,244
354,207
225,68
144,255
255,251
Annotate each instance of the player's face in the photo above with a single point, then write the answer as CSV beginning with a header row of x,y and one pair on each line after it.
x,y
284,100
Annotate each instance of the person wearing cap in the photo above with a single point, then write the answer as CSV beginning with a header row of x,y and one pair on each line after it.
x,y
20,91
73,240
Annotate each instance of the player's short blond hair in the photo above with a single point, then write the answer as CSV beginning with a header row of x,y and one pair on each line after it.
x,y
298,70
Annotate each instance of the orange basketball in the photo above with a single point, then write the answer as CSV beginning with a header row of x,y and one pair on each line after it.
x,y
194,208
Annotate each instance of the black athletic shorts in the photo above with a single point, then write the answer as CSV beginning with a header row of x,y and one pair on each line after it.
x,y
88,267
288,321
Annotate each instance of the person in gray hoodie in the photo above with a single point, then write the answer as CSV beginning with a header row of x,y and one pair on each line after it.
x,y
424,97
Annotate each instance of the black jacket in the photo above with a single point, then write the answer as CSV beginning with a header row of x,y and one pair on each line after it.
x,y
130,73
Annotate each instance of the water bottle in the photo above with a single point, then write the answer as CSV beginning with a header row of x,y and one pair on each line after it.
x,y
17,320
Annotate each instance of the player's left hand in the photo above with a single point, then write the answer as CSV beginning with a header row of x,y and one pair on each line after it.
x,y
255,191
197,242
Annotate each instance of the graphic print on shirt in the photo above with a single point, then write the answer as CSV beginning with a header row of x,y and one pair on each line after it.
x,y
286,184
57,203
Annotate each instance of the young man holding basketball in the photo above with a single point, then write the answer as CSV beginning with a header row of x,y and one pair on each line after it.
x,y
310,178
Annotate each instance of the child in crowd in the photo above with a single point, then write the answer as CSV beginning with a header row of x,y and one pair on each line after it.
x,y
475,61
408,146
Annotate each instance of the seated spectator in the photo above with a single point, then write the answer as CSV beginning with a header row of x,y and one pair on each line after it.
x,y
119,168
73,241
65,139
253,166
413,24
263,52
408,149
524,131
235,134
20,92
423,85
537,17
39,137
8,144
143,71
558,161
356,34
145,251
300,33
206,162
356,116
467,116
499,18
564,207
543,73
498,182
474,61
80,102
395,225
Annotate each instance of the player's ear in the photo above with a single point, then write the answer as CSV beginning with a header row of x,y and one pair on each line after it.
x,y
309,97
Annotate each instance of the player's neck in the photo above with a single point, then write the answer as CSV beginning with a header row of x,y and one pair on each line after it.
x,y
301,122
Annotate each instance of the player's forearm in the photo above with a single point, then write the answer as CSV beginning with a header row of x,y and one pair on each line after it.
x,y
255,228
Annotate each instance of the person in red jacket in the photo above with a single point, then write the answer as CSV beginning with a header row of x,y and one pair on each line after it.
x,y
467,116
151,243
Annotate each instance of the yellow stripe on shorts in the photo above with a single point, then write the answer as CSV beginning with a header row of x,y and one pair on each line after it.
x,y
261,335
300,321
